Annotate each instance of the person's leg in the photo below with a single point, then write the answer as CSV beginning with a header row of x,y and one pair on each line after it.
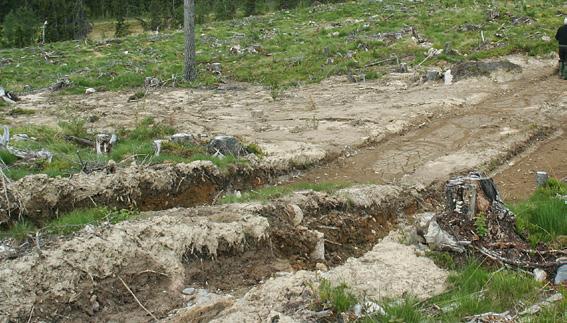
x,y
563,62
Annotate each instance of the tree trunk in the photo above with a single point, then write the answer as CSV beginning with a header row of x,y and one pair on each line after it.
x,y
190,72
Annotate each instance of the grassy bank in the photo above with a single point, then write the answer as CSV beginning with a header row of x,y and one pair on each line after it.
x,y
70,158
68,223
295,47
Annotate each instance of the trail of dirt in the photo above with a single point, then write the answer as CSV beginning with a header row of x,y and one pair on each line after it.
x,y
504,123
517,180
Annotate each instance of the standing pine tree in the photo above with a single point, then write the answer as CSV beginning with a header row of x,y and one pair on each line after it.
x,y
20,27
250,7
120,8
156,14
81,25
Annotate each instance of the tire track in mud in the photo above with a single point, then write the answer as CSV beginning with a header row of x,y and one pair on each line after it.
x,y
507,121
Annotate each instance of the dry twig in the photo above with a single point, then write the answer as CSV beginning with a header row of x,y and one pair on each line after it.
x,y
136,298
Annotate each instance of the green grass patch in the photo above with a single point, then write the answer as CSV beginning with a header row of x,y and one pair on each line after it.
x,y
543,217
272,192
70,222
78,219
135,144
337,298
295,46
19,231
21,112
7,158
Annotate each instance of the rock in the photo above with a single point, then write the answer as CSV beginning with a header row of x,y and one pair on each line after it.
x,y
188,291
372,308
295,213
321,266
438,238
183,138
318,252
357,310
432,75
226,145
561,275
476,69
7,252
546,38
90,91
540,275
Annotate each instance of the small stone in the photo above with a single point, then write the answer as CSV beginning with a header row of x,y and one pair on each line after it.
x,y
188,291
321,266
90,91
318,252
540,275
295,213
358,310
546,38
561,276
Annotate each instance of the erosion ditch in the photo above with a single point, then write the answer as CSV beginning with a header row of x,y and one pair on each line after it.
x,y
92,275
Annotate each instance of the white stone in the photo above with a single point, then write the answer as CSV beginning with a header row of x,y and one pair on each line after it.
x,y
90,91
188,291
540,275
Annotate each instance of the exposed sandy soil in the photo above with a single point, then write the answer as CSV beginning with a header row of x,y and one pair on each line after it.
x,y
445,129
392,130
517,180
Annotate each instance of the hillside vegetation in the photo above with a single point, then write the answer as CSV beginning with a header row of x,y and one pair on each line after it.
x,y
290,48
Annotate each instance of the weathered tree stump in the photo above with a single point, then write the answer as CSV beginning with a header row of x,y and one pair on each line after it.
x,y
104,143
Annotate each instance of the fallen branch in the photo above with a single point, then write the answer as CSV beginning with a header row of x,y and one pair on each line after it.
x,y
80,141
522,264
380,62
136,298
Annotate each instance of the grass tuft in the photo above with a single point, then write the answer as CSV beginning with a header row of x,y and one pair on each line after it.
x,y
337,298
544,216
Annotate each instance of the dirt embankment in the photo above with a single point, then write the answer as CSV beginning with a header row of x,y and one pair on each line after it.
x,y
85,278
